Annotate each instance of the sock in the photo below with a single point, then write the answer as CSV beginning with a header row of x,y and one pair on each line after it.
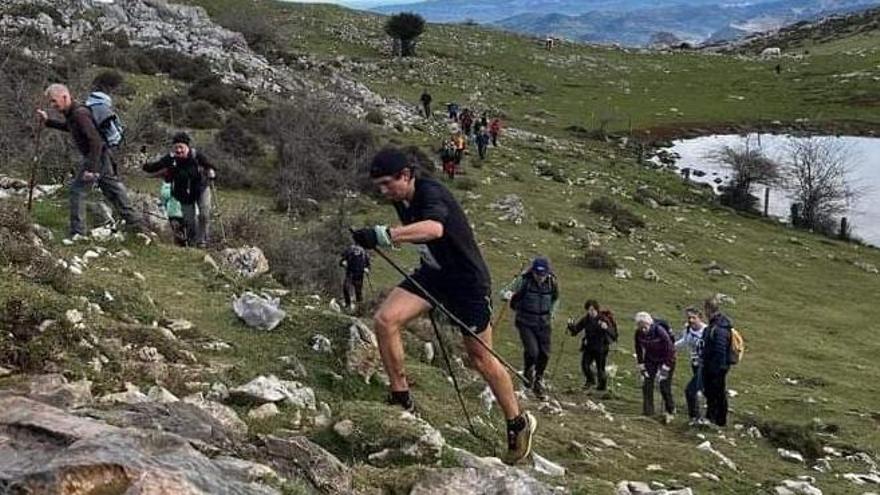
x,y
517,423
403,398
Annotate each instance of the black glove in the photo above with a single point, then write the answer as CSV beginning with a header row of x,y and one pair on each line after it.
x,y
371,237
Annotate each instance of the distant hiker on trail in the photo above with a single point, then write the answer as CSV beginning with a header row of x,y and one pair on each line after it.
x,y
447,157
97,165
174,212
452,110
460,143
466,119
691,338
190,174
600,332
655,354
453,271
480,124
356,261
535,296
716,362
426,103
778,69
482,140
495,130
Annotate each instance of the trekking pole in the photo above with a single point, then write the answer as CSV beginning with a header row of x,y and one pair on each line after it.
x,y
216,200
558,357
454,319
38,132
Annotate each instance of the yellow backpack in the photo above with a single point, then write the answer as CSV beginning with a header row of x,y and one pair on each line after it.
x,y
737,346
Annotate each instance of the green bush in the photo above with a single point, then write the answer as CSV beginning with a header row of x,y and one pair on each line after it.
x,y
375,116
200,114
236,140
599,259
107,81
212,89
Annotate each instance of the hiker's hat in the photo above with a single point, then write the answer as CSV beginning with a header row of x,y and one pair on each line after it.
x,y
389,161
541,265
181,138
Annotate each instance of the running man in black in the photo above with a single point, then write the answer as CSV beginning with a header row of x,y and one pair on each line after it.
x,y
452,270
356,261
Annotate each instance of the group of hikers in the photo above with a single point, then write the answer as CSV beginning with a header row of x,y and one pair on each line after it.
x,y
452,277
96,131
466,129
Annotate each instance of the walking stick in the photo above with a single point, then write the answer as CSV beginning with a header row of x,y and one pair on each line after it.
x,y
34,165
216,200
558,357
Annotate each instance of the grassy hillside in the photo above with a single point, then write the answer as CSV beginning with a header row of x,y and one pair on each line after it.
x,y
806,309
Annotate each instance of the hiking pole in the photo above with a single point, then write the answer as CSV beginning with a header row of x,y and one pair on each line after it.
x,y
558,357
38,132
454,319
216,200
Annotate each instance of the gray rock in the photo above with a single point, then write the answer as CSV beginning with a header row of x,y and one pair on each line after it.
x,y
298,456
225,415
55,390
45,450
132,395
362,357
511,207
344,428
271,389
790,455
161,395
497,481
249,262
265,411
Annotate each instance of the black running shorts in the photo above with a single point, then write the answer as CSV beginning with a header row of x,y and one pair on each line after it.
x,y
473,306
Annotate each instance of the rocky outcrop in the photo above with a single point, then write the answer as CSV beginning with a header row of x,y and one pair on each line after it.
x,y
46,450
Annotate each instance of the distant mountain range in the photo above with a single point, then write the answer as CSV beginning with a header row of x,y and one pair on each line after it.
x,y
631,22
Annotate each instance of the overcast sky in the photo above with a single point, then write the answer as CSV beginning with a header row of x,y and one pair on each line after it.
x,y
358,3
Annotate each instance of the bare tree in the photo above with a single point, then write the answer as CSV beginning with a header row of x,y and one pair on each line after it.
x,y
749,166
817,170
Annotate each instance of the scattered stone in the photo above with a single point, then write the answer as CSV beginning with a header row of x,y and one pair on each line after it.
x,y
863,479
495,480
321,344
651,275
344,428
544,466
161,395
249,262
73,316
218,392
790,455
622,274
297,456
224,415
867,267
149,355
259,312
265,411
55,390
5,371
707,447
294,366
362,357
271,389
511,207
428,352
132,395
209,260
802,487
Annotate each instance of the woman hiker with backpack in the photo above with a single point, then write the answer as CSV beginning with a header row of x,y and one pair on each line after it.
x,y
691,338
600,331
655,354
190,174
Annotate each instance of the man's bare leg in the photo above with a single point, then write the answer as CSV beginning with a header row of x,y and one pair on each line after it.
x,y
493,372
396,310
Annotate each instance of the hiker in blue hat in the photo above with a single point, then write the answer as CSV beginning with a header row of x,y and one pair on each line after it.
x,y
534,297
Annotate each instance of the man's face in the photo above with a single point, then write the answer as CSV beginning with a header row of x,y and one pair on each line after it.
x,y
540,277
394,187
180,150
694,320
591,312
60,101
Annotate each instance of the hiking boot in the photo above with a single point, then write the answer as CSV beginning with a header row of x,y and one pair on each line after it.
x,y
540,389
402,399
519,438
668,418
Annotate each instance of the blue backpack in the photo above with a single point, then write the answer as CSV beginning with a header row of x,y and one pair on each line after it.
x,y
106,120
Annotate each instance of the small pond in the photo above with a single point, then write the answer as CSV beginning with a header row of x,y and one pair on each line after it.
x,y
863,154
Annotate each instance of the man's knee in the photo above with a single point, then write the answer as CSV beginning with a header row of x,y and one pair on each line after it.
x,y
385,324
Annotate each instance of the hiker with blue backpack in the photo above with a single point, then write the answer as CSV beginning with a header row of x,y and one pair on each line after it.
x,y
655,356
95,130
191,175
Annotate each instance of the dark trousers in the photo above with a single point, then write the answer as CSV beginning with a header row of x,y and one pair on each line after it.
x,y
536,349
691,393
590,356
482,151
110,186
494,138
353,284
427,108
197,222
715,390
665,391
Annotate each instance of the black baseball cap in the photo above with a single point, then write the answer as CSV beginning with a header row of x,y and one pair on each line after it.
x,y
389,161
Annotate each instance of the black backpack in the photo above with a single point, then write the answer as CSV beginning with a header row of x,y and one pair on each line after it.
x,y
664,325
